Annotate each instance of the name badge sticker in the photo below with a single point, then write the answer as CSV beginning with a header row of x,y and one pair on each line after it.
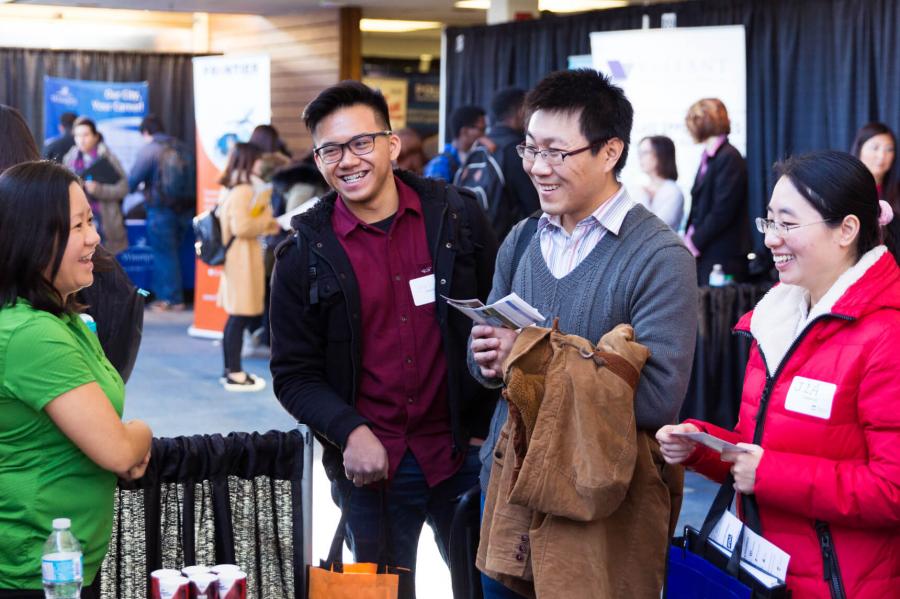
x,y
810,397
422,290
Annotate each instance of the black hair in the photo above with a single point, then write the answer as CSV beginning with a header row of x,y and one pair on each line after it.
x,y
506,103
90,124
67,120
35,216
16,141
152,125
664,150
890,186
464,116
605,112
343,95
837,184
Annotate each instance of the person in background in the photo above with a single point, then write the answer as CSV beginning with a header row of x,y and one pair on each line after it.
x,y
467,125
167,225
818,417
876,146
106,197
57,147
506,132
246,214
661,196
62,440
16,141
718,226
267,139
412,156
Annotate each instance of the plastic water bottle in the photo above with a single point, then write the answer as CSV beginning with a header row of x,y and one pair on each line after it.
x,y
61,565
716,276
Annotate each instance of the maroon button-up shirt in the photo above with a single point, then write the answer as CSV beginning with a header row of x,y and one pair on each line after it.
x,y
403,383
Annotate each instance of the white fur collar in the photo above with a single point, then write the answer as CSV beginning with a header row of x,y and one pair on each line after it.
x,y
776,320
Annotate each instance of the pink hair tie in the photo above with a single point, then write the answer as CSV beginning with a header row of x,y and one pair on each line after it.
x,y
887,213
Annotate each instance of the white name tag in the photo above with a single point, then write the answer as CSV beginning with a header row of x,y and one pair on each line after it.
x,y
810,397
422,290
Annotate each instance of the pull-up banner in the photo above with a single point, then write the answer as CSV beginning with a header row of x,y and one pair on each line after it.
x,y
232,95
116,108
663,72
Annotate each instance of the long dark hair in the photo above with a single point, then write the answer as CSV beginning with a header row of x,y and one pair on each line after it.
x,y
664,149
90,124
35,220
837,184
890,186
16,141
240,164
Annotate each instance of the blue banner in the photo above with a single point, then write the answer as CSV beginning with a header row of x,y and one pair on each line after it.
x,y
117,108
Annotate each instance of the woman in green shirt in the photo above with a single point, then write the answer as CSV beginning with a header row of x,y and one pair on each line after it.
x,y
62,439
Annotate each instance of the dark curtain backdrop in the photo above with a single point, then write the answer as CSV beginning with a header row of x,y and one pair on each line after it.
x,y
816,69
22,72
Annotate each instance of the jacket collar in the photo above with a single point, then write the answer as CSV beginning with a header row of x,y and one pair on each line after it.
x,y
869,285
432,194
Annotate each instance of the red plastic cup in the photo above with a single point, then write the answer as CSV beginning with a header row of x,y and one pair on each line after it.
x,y
204,585
232,584
168,584
189,570
219,568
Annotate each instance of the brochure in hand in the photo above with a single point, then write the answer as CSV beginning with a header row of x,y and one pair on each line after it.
x,y
712,442
511,312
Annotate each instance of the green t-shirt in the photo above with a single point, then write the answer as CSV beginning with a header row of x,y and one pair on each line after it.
x,y
43,475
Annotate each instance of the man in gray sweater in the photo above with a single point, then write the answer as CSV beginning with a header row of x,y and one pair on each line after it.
x,y
596,259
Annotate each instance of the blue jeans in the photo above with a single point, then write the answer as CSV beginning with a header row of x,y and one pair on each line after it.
x,y
410,503
165,232
490,588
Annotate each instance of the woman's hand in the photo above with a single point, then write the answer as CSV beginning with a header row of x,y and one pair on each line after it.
x,y
744,466
676,449
91,187
491,347
138,470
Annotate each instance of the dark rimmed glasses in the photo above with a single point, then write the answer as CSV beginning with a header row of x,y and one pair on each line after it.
x,y
552,156
359,145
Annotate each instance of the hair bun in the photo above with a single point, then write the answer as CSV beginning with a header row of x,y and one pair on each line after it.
x,y
887,213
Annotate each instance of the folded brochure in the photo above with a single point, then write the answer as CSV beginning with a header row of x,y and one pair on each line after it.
x,y
511,312
712,442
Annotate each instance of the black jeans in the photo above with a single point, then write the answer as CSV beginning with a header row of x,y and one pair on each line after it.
x,y
233,339
410,504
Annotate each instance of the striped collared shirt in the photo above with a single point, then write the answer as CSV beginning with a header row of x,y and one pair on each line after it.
x,y
563,252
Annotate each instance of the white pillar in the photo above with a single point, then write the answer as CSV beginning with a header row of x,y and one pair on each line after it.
x,y
503,11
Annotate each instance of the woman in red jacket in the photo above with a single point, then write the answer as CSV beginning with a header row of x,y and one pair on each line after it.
x,y
822,387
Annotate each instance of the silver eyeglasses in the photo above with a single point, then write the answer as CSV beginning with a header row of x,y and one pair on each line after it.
x,y
552,156
359,145
764,225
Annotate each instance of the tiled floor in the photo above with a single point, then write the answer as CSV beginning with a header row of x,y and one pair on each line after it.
x,y
175,389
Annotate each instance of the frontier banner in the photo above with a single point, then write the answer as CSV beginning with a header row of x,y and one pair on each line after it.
x,y
232,95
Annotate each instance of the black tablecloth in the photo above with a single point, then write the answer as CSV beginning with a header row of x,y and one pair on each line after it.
x,y
714,393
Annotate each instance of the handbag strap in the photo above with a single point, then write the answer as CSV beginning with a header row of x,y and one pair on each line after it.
x,y
385,556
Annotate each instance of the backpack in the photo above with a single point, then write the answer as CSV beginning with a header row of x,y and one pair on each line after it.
x,y
483,174
176,179
208,238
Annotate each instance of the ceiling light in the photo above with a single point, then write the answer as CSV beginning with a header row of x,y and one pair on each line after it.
x,y
473,4
579,5
395,26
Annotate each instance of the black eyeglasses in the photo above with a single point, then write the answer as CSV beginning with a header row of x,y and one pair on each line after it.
x,y
359,145
551,156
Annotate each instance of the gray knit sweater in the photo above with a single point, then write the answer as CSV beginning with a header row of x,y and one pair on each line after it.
x,y
644,276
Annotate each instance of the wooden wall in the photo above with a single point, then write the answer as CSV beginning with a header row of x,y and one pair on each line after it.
x,y
309,51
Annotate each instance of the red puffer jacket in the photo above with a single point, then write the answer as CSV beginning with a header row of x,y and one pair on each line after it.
x,y
829,399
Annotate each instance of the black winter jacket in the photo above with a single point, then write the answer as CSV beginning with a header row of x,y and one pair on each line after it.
x,y
315,316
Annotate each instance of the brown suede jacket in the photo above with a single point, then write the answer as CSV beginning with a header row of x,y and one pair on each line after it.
x,y
580,503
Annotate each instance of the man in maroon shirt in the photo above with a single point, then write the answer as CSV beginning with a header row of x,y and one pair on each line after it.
x,y
364,350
